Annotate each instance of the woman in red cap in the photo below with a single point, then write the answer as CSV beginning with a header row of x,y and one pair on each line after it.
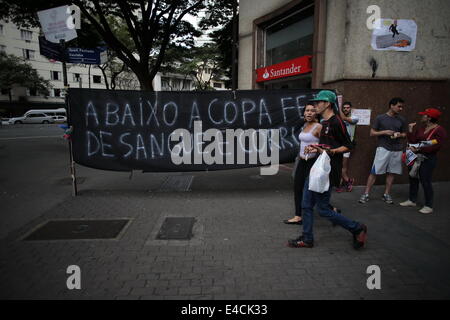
x,y
429,131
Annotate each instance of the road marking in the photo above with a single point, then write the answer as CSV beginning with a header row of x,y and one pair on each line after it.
x,y
32,137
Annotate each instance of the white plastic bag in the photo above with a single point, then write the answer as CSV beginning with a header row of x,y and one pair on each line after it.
x,y
319,176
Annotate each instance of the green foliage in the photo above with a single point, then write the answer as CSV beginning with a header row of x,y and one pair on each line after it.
x,y
139,32
196,64
17,72
220,18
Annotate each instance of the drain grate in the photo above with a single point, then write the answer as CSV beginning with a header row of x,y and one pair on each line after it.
x,y
176,183
78,230
176,229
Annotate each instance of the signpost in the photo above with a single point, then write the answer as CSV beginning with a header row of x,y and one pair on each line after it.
x,y
54,24
58,27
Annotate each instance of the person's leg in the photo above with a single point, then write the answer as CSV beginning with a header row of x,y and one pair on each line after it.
x,y
389,181
345,177
370,181
379,167
299,182
308,203
323,206
413,189
394,167
425,174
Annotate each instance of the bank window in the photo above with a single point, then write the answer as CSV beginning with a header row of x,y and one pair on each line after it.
x,y
28,54
26,35
97,79
291,37
217,85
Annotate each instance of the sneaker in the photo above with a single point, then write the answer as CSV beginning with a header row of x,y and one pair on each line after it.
x,y
360,237
426,210
299,243
408,203
340,189
387,198
364,198
349,186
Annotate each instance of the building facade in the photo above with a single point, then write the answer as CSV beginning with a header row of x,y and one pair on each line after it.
x,y
24,42
335,43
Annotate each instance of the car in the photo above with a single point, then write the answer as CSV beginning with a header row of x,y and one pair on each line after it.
x,y
32,118
60,119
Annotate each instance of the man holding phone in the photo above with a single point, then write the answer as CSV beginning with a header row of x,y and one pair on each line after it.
x,y
335,141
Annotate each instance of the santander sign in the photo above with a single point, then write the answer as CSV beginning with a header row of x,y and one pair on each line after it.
x,y
288,68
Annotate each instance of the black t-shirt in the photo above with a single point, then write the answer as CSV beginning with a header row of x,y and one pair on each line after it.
x,y
335,135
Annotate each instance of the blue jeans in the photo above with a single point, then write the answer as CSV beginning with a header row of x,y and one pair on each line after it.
x,y
322,200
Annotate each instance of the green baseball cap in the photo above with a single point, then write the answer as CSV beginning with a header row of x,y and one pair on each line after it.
x,y
325,95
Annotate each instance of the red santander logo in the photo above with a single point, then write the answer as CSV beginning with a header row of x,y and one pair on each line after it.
x,y
288,68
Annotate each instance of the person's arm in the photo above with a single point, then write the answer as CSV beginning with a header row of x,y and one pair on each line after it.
x,y
403,131
351,120
343,139
440,135
375,133
317,131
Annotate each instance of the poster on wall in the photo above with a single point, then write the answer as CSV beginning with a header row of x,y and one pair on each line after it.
x,y
363,115
394,35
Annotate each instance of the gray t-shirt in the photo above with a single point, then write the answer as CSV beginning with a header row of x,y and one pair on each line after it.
x,y
396,124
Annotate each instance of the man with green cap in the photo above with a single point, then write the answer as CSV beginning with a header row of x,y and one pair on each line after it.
x,y
335,141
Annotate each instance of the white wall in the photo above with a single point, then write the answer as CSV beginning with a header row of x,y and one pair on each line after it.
x,y
348,49
11,39
249,10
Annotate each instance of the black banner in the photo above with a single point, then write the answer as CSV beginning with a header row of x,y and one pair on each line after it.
x,y
154,131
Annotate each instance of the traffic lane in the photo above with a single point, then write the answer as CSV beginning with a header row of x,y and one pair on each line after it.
x,y
30,130
30,175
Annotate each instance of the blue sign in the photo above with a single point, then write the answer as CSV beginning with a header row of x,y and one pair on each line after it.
x,y
85,56
73,55
50,50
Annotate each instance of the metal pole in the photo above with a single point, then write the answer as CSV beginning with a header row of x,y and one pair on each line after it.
x,y
66,100
234,79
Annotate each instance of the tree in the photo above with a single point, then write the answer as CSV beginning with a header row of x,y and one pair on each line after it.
x,y
203,65
18,73
152,25
220,19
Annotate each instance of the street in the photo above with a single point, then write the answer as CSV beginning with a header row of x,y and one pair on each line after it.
x,y
238,249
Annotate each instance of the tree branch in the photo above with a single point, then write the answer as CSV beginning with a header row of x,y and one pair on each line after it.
x,y
122,52
130,19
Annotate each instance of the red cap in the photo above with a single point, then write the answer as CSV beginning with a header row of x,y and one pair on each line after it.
x,y
432,113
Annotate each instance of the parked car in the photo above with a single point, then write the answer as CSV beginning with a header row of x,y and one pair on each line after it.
x,y
60,119
32,118
49,112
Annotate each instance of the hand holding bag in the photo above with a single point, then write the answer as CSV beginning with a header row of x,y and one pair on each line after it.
x,y
319,176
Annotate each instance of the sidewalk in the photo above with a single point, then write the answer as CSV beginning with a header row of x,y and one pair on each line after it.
x,y
239,246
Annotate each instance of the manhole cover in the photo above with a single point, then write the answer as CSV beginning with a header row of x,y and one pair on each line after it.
x,y
176,229
78,229
176,183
